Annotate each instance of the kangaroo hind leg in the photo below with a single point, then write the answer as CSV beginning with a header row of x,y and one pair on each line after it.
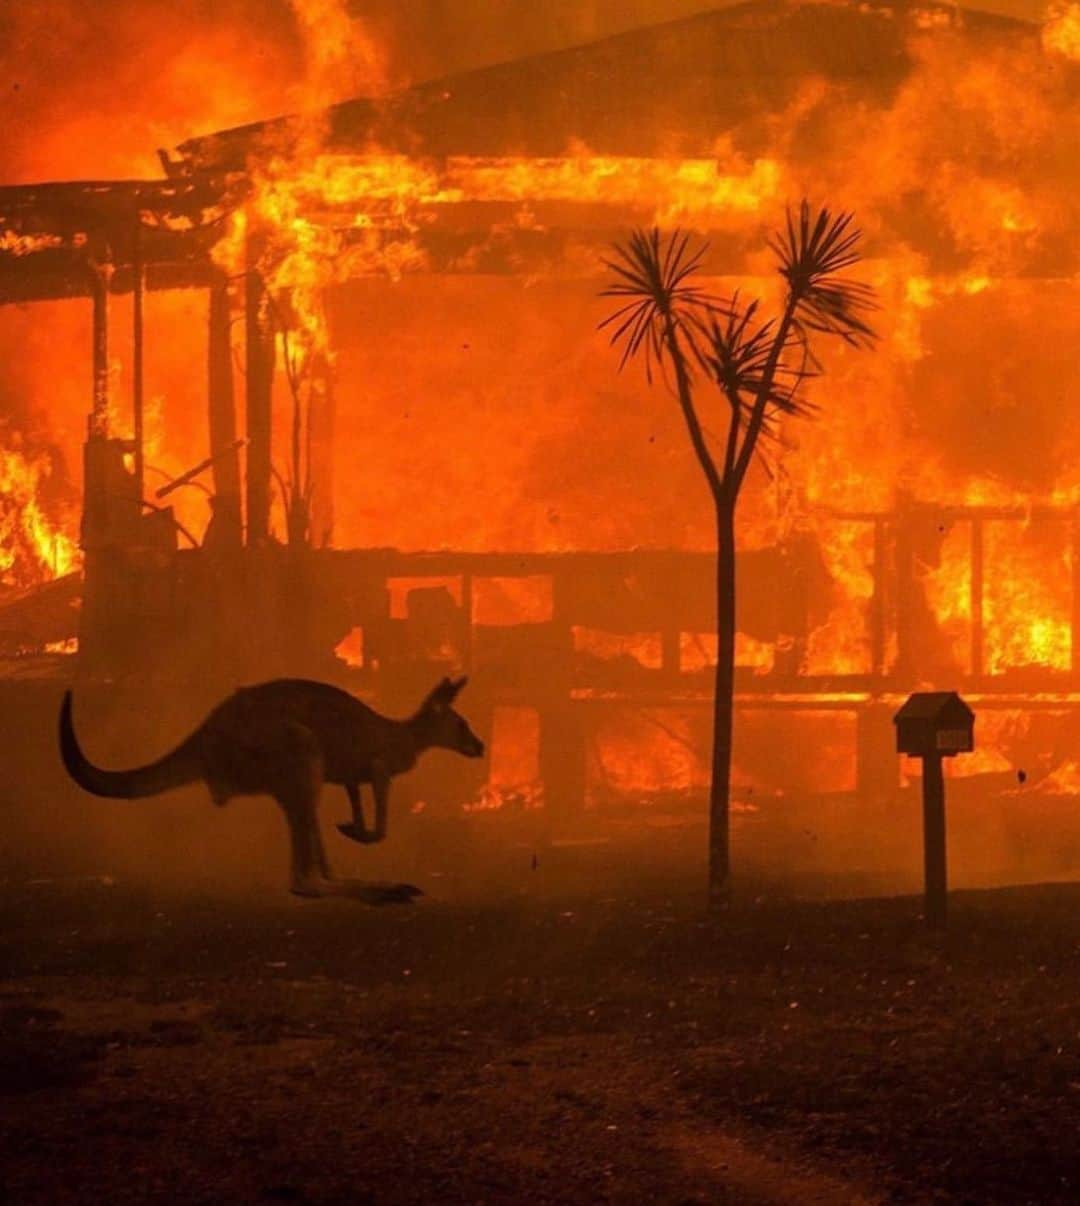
x,y
298,784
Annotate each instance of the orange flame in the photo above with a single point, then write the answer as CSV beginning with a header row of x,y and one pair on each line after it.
x,y
1061,31
32,547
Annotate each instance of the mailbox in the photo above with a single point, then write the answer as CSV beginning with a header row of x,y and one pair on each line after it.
x,y
935,723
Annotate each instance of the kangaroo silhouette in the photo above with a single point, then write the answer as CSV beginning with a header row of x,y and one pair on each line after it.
x,y
285,739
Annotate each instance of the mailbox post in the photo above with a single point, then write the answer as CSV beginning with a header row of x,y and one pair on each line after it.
x,y
933,725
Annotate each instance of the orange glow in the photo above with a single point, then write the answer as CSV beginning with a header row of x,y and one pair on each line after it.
x,y
483,412
514,776
643,648
33,548
350,649
1027,604
841,645
1061,33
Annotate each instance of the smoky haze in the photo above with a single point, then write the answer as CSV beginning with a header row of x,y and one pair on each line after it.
x,y
114,80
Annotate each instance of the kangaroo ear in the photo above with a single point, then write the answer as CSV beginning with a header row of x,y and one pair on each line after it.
x,y
456,687
441,696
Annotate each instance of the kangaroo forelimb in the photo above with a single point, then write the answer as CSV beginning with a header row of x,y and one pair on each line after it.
x,y
356,829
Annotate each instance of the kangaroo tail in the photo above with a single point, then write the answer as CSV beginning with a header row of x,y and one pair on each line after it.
x,y
174,770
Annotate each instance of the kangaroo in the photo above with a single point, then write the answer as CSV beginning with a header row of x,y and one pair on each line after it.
x,y
285,739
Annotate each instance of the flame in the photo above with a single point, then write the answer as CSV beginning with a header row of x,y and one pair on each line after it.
x,y
948,593
330,218
1062,781
341,58
24,244
33,548
967,194
350,649
1061,31
841,645
688,192
1026,612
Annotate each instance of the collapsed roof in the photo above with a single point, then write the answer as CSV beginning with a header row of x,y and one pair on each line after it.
x,y
661,92
666,90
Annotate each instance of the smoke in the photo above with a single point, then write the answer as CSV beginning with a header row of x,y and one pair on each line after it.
x,y
113,81
92,90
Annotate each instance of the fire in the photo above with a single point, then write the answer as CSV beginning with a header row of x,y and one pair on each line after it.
x,y
328,219
702,193
841,644
1027,612
1061,32
514,777
498,398
1063,781
948,593
341,58
33,548
22,244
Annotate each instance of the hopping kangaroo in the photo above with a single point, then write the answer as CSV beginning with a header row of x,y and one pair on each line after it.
x,y
286,739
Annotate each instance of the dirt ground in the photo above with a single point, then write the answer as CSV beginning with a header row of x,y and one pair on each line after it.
x,y
608,1044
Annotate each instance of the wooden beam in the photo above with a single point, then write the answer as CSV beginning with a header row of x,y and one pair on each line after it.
x,y
321,423
137,372
99,414
228,518
260,382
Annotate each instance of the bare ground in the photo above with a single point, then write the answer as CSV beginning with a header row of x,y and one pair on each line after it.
x,y
574,1047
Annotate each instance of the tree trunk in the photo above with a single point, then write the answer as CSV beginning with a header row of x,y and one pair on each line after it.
x,y
723,708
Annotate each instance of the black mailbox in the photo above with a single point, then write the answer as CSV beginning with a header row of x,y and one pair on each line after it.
x,y
935,723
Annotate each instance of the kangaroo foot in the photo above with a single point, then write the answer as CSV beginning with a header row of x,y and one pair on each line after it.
x,y
358,833
310,887
375,893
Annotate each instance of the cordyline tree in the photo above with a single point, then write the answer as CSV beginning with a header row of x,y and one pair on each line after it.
x,y
758,367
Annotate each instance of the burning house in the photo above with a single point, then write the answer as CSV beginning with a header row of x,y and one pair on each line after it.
x,y
343,409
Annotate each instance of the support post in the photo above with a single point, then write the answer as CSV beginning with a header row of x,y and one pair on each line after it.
x,y
905,591
99,417
878,602
95,512
137,387
934,861
319,470
671,652
260,379
228,520
1075,554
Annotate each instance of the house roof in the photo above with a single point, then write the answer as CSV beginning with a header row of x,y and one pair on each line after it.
x,y
666,89
663,91
934,706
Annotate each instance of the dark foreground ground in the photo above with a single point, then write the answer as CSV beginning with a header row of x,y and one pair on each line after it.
x,y
582,1047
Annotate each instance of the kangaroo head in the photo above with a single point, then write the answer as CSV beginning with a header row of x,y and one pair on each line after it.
x,y
445,728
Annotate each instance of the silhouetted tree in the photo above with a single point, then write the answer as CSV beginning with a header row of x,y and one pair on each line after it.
x,y
758,367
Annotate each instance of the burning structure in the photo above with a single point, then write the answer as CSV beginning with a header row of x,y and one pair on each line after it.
x,y
321,347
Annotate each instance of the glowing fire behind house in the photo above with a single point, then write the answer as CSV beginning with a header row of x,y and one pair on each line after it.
x,y
377,323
